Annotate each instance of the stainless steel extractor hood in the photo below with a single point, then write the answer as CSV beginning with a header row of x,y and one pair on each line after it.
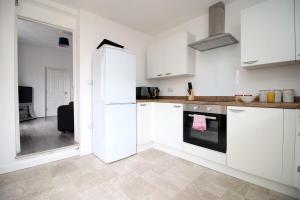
x,y
217,36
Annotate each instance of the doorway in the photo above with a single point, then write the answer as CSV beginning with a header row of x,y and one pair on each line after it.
x,y
58,89
45,83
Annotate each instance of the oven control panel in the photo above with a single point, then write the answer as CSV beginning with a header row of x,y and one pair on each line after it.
x,y
215,109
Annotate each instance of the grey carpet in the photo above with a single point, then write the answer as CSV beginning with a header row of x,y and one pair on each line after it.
x,y
41,134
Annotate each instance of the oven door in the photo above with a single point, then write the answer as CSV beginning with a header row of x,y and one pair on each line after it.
x,y
214,137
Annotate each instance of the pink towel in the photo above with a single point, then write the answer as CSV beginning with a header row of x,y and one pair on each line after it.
x,y
199,123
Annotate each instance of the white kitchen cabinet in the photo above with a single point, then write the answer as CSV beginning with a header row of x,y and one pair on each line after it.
x,y
288,171
268,33
297,152
144,123
168,124
171,56
255,141
297,24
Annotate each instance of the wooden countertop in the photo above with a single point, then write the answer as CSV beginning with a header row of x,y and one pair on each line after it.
x,y
295,105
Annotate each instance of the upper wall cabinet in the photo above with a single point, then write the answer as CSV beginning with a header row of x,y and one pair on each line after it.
x,y
297,23
268,33
171,57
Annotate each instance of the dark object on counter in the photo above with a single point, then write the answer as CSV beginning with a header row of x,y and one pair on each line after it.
x,y
190,88
147,92
106,41
190,85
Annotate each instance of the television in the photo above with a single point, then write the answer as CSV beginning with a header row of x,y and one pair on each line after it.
x,y
25,94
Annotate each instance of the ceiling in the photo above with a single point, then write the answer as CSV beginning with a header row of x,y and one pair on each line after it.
x,y
148,16
41,35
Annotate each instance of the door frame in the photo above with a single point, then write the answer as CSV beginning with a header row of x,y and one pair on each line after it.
x,y
75,82
46,84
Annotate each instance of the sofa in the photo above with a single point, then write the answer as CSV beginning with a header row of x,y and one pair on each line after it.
x,y
65,118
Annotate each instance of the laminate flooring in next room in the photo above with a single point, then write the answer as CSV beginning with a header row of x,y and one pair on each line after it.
x,y
149,175
42,134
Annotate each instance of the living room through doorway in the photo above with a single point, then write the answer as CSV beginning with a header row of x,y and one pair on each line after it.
x,y
45,85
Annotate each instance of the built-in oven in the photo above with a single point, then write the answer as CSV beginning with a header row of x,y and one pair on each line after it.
x,y
214,135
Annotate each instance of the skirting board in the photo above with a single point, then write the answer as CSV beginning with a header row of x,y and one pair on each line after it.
x,y
85,151
290,191
144,147
24,162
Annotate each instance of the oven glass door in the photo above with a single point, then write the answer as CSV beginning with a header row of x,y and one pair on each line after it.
x,y
214,137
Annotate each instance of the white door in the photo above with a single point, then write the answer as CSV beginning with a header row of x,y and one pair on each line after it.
x,y
155,59
144,123
268,33
120,131
176,48
171,56
297,24
119,77
255,141
297,152
57,89
288,166
168,125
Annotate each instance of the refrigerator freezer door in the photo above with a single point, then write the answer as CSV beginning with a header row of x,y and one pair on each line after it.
x,y
120,131
120,77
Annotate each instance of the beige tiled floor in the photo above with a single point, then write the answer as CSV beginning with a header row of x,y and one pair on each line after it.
x,y
151,175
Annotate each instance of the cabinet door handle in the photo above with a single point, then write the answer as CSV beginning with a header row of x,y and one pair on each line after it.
x,y
236,110
167,74
250,62
159,74
298,169
143,104
176,106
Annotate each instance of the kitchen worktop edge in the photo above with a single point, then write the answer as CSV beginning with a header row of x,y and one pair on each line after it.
x,y
295,105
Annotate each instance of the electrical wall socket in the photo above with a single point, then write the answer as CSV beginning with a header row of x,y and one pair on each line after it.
x,y
90,82
170,90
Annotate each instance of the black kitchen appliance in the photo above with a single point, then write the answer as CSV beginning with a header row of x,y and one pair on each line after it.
x,y
214,137
147,92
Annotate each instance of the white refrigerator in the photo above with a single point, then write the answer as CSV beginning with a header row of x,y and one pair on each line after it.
x,y
114,104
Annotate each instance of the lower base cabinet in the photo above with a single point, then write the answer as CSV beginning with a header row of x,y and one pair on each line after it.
x,y
144,123
297,153
263,142
289,151
168,125
255,141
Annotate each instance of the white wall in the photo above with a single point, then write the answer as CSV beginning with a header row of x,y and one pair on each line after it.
x,y
7,74
92,30
218,72
32,64
8,78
